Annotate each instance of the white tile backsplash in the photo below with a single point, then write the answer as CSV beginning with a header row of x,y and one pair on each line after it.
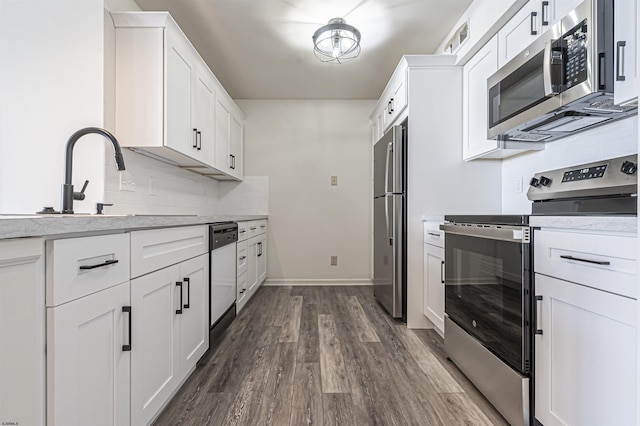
x,y
608,141
177,191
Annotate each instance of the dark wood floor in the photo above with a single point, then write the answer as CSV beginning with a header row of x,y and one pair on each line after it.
x,y
326,356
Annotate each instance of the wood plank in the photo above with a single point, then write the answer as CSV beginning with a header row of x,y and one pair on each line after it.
x,y
307,402
461,409
278,392
291,324
439,377
364,329
308,339
338,409
332,369
277,314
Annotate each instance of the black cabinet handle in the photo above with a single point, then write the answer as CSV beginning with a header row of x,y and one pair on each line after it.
x,y
195,138
242,231
243,257
199,140
545,9
259,249
538,330
620,46
179,310
243,290
188,281
127,309
442,271
433,234
100,265
596,262
533,17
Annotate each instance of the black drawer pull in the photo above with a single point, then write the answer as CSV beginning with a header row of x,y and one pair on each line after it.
x,y
188,281
99,265
433,234
179,311
243,257
127,309
243,290
596,262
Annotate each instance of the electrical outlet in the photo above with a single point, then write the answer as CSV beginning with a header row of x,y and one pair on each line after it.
x,y
334,180
517,185
334,260
127,183
152,186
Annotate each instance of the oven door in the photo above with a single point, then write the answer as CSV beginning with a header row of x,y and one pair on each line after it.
x,y
488,288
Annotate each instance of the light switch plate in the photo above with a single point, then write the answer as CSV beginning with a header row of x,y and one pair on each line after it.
x,y
334,180
334,260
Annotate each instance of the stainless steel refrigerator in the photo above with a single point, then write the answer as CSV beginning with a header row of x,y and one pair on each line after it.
x,y
389,221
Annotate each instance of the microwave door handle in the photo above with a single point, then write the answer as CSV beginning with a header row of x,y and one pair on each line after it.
x,y
552,69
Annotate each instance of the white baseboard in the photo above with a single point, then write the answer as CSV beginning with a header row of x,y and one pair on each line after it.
x,y
317,282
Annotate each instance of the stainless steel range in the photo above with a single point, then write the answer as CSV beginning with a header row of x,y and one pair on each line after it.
x,y
489,288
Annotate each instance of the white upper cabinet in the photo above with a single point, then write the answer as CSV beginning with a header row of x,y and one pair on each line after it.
x,y
528,24
229,134
167,97
519,32
625,47
474,101
392,103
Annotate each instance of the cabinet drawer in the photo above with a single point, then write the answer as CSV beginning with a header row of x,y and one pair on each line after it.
x,y
156,249
432,234
243,230
606,262
256,227
77,267
242,258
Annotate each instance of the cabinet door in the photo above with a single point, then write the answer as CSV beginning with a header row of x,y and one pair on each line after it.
x,y
474,111
241,296
262,259
180,74
22,325
625,46
194,320
520,31
585,357
434,285
223,134
203,125
252,264
154,300
552,11
235,145
88,368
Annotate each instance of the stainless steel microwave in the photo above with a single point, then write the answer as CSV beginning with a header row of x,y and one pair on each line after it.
x,y
560,84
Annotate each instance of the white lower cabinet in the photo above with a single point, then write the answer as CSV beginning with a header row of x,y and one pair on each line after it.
x,y
169,333
22,332
252,260
88,361
585,357
586,320
433,289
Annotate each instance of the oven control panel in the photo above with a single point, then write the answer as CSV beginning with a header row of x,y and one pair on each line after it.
x,y
615,176
586,173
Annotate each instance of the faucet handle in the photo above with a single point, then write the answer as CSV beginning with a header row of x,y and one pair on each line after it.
x,y
80,195
100,207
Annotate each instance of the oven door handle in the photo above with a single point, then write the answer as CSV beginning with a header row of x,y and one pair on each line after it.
x,y
516,234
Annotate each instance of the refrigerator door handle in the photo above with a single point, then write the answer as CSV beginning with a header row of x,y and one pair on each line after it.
x,y
386,170
386,221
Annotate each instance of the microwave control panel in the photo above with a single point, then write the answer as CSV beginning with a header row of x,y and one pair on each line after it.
x,y
575,63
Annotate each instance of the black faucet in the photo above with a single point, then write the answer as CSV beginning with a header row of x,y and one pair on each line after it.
x,y
67,187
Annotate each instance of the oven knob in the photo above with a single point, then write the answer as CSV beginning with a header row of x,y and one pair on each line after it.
x,y
545,181
534,182
629,168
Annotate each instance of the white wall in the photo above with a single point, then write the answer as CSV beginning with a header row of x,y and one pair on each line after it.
x,y
51,65
299,145
609,141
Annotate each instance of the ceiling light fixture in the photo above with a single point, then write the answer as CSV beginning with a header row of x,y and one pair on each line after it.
x,y
336,42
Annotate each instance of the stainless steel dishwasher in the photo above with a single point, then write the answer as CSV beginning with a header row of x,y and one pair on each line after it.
x,y
222,290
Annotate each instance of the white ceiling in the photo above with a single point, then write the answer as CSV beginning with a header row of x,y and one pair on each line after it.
x,y
262,49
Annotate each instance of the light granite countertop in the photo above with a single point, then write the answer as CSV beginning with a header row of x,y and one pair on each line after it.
x,y
18,226
627,224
